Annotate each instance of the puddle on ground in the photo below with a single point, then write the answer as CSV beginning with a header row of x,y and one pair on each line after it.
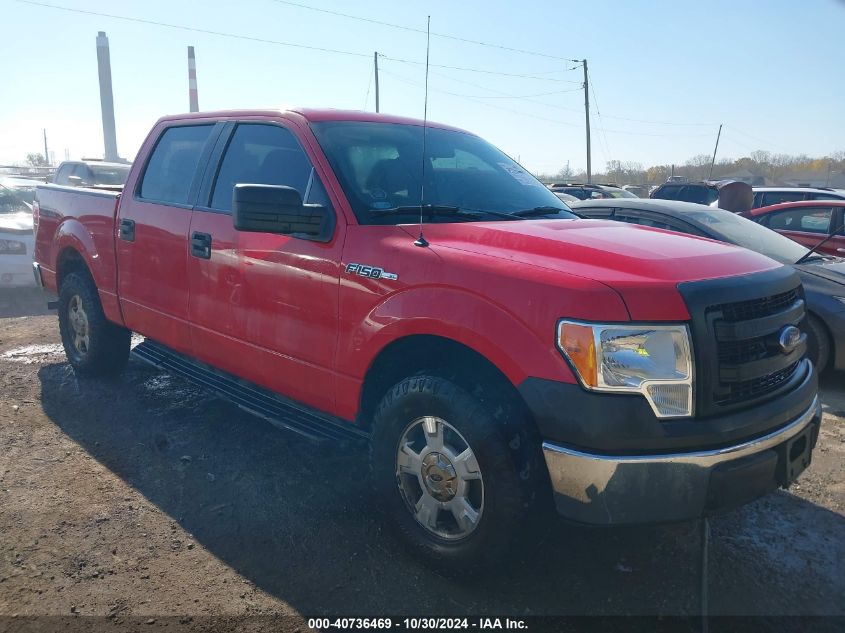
x,y
34,354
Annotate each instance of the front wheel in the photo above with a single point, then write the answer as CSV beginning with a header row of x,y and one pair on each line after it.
x,y
445,474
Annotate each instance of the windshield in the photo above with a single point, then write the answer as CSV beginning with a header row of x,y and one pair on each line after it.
x,y
742,232
16,199
380,167
111,175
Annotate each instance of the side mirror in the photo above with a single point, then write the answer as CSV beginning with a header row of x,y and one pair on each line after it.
x,y
278,209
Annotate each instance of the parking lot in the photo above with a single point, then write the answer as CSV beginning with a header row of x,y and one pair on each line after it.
x,y
144,497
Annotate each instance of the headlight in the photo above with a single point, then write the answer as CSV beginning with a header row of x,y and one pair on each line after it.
x,y
654,360
12,247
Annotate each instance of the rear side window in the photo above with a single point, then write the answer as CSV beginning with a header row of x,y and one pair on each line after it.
x,y
776,197
805,220
699,194
262,154
173,164
670,192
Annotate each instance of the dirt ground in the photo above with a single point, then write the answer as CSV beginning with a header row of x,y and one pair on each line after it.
x,y
143,497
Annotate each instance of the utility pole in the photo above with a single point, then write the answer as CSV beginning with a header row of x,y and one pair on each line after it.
x,y
375,62
715,149
587,115
46,155
193,99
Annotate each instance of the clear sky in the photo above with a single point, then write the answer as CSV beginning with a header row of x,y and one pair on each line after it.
x,y
771,70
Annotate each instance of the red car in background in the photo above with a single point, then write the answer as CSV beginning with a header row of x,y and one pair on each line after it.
x,y
807,222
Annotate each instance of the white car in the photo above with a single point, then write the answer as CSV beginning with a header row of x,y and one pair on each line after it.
x,y
17,240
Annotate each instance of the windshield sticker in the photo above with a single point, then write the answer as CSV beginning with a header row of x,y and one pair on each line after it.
x,y
519,174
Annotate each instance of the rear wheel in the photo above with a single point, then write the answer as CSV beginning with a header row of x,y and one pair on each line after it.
x,y
446,476
818,343
94,346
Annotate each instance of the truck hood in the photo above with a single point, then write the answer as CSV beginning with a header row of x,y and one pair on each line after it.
x,y
830,270
16,222
643,265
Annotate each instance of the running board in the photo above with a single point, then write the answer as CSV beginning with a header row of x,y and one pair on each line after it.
x,y
253,399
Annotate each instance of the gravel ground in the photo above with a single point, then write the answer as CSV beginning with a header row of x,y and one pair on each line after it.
x,y
141,498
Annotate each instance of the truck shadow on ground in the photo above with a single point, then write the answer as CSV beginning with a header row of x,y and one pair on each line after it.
x,y
298,520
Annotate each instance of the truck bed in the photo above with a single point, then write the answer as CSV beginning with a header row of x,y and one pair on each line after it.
x,y
77,217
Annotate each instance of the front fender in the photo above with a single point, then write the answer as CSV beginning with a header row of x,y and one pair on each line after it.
x,y
500,336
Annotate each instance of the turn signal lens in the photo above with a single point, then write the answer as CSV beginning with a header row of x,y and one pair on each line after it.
x,y
579,344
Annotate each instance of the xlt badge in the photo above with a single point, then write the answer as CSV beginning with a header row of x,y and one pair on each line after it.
x,y
373,272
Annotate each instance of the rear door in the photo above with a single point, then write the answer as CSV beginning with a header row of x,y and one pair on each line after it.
x,y
807,225
152,243
263,306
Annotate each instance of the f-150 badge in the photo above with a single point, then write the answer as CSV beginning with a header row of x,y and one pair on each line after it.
x,y
373,272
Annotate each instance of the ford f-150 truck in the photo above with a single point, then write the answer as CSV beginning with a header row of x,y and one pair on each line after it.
x,y
363,276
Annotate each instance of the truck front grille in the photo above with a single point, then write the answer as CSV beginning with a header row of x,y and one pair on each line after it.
x,y
739,361
756,387
756,308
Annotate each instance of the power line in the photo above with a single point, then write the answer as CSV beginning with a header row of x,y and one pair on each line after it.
x,y
549,105
416,30
622,118
369,85
753,138
474,100
474,70
280,42
192,29
601,119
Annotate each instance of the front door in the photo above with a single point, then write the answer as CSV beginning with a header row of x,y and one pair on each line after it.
x,y
264,306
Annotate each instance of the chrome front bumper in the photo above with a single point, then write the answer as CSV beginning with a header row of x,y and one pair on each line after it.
x,y
614,489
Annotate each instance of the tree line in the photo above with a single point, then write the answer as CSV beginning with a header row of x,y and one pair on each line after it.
x,y
765,167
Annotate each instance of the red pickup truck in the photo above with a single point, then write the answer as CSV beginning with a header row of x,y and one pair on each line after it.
x,y
360,276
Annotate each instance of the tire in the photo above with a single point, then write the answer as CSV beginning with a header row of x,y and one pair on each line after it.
x,y
94,346
818,343
471,505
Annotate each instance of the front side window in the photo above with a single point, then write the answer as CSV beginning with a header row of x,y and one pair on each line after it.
x,y
262,154
62,176
381,169
805,220
173,164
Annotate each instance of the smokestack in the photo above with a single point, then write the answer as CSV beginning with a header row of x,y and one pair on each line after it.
x,y
192,80
106,98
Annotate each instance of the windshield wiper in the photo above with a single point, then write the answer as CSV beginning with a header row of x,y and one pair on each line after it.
x,y
545,210
426,209
442,210
833,234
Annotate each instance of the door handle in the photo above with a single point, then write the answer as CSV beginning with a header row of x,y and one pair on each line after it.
x,y
201,245
840,250
127,230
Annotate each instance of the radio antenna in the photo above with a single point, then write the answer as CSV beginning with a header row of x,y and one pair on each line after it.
x,y
421,241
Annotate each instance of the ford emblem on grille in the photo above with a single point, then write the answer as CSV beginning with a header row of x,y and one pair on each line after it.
x,y
790,337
